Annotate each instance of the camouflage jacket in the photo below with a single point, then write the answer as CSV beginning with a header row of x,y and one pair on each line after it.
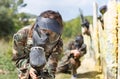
x,y
21,50
68,63
71,46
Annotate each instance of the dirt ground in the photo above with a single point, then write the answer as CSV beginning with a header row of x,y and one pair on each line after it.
x,y
87,70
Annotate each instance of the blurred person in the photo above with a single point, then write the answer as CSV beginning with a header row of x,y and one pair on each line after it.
x,y
71,60
86,26
102,10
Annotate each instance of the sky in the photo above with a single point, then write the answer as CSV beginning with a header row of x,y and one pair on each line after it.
x,y
69,9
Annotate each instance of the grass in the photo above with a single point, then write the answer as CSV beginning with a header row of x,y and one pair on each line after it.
x,y
86,75
10,75
63,76
7,67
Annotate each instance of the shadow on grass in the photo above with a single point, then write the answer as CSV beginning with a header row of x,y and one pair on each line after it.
x,y
91,74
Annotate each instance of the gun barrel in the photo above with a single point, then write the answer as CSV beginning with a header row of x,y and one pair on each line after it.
x,y
81,16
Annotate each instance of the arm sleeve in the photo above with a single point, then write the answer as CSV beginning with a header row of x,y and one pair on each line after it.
x,y
19,43
54,58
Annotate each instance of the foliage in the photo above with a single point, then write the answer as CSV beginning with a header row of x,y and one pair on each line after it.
x,y
73,27
9,19
24,18
5,56
7,67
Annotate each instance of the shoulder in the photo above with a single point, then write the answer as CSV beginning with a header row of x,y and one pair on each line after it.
x,y
21,34
84,46
60,42
71,43
24,29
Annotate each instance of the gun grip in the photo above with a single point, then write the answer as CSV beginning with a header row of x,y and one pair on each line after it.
x,y
36,72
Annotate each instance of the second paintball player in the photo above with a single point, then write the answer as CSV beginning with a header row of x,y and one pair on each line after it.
x,y
71,60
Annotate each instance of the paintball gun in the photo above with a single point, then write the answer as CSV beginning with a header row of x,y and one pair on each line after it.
x,y
38,61
81,50
84,22
81,15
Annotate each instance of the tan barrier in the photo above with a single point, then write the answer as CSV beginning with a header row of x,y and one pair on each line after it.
x,y
118,9
106,42
95,32
110,24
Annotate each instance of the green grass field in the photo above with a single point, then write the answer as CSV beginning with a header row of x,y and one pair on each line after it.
x,y
7,68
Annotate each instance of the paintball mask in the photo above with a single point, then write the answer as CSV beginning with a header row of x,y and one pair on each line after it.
x,y
46,31
78,41
103,9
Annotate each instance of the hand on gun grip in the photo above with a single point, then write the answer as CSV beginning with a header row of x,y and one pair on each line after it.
x,y
76,53
33,74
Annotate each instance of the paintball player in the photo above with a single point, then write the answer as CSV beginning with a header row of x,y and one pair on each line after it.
x,y
71,60
102,10
84,23
86,26
38,47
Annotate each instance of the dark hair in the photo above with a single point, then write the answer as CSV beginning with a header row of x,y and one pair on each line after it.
x,y
53,15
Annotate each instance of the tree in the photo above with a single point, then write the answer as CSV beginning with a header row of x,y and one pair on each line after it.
x,y
9,19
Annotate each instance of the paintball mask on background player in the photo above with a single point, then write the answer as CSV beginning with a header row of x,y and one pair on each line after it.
x,y
78,41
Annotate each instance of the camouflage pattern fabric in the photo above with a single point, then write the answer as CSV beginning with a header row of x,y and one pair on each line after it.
x,y
70,65
21,49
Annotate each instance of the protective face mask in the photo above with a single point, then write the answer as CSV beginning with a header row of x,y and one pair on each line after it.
x,y
52,36
46,32
48,23
43,40
39,40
